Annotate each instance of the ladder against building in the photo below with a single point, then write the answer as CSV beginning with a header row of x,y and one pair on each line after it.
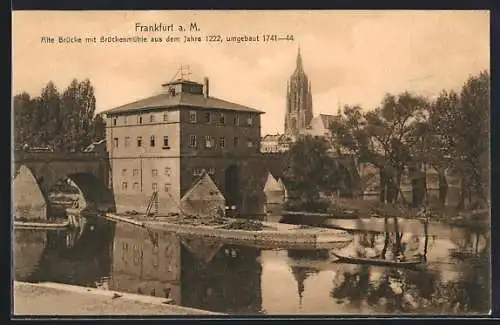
x,y
153,203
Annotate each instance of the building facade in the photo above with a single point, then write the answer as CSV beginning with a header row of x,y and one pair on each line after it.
x,y
165,142
298,100
276,143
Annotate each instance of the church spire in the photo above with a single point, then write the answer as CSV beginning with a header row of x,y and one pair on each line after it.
x,y
299,61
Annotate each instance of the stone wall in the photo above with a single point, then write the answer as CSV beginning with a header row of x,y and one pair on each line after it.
x,y
29,201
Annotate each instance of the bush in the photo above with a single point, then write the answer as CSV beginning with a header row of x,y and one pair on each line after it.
x,y
251,225
318,205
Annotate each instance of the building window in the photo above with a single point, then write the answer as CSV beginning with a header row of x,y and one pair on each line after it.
x,y
125,120
167,187
139,119
152,141
114,120
127,142
152,118
154,172
236,120
211,171
208,142
192,141
250,143
236,141
222,118
115,142
139,141
207,117
124,185
165,142
154,186
135,187
165,116
250,120
168,171
135,172
197,171
222,142
192,116
124,172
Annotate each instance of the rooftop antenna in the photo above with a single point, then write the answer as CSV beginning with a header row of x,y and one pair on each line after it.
x,y
339,111
184,74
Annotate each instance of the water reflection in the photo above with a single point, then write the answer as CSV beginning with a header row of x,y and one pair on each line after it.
x,y
221,276
436,289
76,257
194,272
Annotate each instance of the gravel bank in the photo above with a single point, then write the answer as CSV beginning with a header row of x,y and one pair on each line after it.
x,y
58,299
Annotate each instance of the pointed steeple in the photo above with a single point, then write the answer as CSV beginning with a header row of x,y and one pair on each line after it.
x,y
299,61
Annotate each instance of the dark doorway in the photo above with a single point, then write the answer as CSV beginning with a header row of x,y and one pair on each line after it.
x,y
231,190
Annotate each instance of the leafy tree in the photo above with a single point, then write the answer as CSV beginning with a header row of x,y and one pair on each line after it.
x,y
311,169
381,137
23,107
472,137
99,128
48,114
63,122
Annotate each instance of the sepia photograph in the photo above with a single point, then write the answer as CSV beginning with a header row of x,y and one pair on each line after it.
x,y
226,163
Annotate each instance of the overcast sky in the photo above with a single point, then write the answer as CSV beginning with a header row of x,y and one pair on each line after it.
x,y
351,57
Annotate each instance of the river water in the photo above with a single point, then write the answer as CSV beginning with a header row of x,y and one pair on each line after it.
x,y
223,277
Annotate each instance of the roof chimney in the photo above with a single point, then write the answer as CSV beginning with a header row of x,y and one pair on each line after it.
x,y
205,87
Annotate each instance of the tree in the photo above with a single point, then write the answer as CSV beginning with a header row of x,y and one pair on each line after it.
x,y
472,137
23,107
311,168
99,128
49,118
78,106
381,137
63,122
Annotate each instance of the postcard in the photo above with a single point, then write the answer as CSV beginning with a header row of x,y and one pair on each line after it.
x,y
251,163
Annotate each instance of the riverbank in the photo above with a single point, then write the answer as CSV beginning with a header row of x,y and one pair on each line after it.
x,y
361,209
56,299
41,224
272,233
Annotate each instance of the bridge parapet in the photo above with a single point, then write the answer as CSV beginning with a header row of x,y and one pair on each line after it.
x,y
23,156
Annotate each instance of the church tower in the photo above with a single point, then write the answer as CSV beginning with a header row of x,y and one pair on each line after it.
x,y
298,100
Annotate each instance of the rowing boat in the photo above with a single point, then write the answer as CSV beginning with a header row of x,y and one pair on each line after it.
x,y
376,261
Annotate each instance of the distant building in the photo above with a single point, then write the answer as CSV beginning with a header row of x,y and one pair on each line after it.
x,y
165,142
320,125
276,143
298,100
299,119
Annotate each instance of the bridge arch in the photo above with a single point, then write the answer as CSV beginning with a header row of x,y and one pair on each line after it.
x,y
33,186
93,194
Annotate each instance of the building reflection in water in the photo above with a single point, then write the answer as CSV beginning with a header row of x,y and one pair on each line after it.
x,y
80,257
195,272
146,262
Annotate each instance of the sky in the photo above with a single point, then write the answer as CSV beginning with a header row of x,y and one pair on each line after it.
x,y
350,57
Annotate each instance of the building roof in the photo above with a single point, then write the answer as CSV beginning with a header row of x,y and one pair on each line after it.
x,y
327,119
187,99
277,137
204,189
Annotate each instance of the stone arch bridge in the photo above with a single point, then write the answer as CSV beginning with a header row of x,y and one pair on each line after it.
x,y
35,173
